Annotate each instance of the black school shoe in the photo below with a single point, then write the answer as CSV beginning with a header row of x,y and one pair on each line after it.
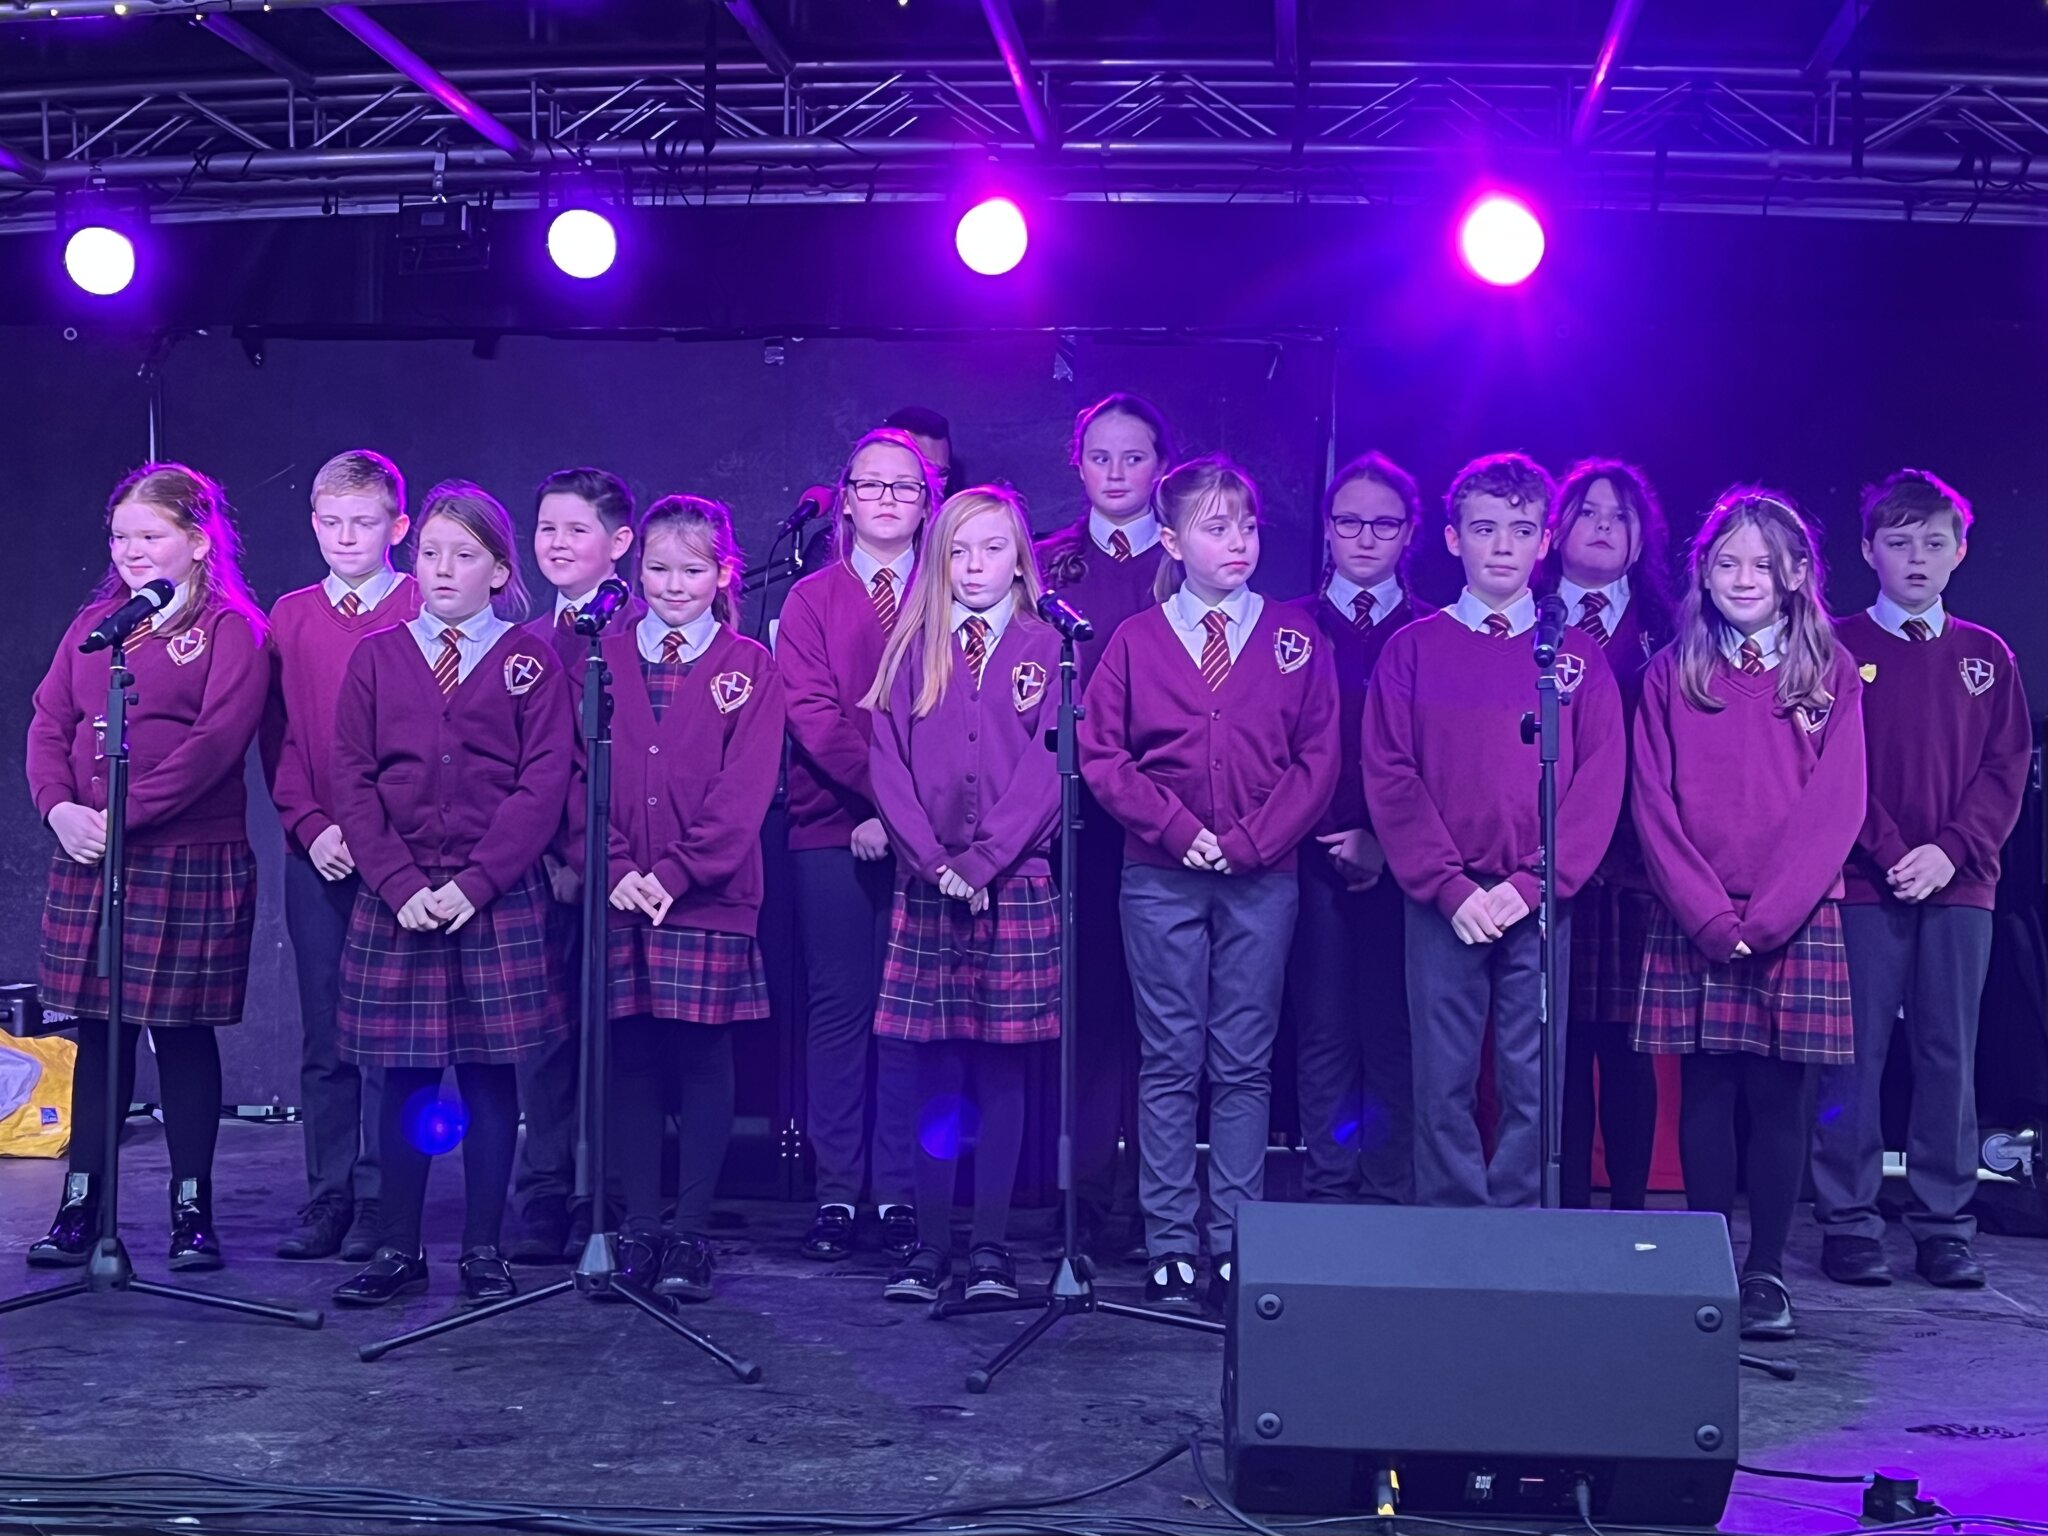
x,y
486,1277
1170,1283
1219,1289
364,1233
922,1277
1854,1261
322,1225
637,1259
991,1274
1948,1262
831,1234
69,1242
543,1232
685,1268
193,1243
390,1274
899,1230
1766,1308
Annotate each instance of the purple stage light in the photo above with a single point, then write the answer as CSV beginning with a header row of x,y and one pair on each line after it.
x,y
434,1124
582,242
991,236
100,260
1501,240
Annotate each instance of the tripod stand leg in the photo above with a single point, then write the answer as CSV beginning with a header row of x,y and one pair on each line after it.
x,y
960,1306
978,1380
745,1370
298,1317
1171,1319
37,1298
463,1320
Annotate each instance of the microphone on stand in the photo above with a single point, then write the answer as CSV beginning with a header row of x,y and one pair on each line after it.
x,y
1550,617
150,599
1065,617
813,505
603,607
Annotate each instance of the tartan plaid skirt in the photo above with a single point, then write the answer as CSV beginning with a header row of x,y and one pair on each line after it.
x,y
992,976
691,975
490,992
1610,925
1792,1003
189,915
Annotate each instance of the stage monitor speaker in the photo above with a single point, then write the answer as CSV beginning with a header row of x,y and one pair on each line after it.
x,y
1490,1359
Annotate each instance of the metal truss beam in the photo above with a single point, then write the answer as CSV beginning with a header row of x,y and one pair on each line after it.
x,y
374,36
43,12
761,35
1841,29
1002,22
240,38
1621,21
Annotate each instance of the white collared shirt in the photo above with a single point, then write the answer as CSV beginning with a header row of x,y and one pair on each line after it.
x,y
564,602
480,632
1142,531
865,565
1184,611
996,617
162,617
1574,595
377,586
1473,614
697,635
1771,642
1891,618
1342,592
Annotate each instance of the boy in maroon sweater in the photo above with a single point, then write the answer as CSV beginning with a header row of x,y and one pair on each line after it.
x,y
1452,790
358,519
1949,742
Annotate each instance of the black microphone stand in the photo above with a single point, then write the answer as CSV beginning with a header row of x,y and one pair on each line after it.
x,y
1545,726
596,1274
109,1268
1071,1291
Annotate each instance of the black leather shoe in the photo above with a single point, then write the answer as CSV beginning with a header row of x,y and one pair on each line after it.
x,y
1766,1308
486,1277
1219,1289
69,1241
365,1232
1948,1262
685,1268
991,1274
390,1274
899,1231
322,1226
1170,1283
543,1232
1854,1261
922,1277
637,1255
193,1244
831,1234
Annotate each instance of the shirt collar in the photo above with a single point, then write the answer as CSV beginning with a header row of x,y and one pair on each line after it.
x,y
865,565
1142,531
1616,593
1473,614
1342,592
1892,618
997,617
697,634
1771,641
1185,610
170,610
563,601
375,588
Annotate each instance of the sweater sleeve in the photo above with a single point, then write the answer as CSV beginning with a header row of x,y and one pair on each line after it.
x,y
1822,823
53,725
230,708
1024,815
381,856
286,767
1684,880
1412,831
819,726
1591,802
527,821
895,789
1138,803
1302,793
1989,806
726,831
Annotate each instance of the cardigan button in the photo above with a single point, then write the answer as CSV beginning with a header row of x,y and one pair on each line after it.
x,y
653,750
446,758
653,800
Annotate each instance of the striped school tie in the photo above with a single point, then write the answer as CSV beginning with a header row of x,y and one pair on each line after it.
x,y
1919,629
1497,625
1215,648
975,642
350,605
882,592
672,648
1119,545
1361,610
1750,657
1591,606
448,665
567,620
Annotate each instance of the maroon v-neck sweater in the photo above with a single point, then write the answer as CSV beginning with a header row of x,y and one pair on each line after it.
x,y
829,647
1357,652
1108,591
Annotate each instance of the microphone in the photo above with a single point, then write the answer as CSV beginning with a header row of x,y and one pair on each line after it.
x,y
603,607
150,598
1065,617
1550,616
813,505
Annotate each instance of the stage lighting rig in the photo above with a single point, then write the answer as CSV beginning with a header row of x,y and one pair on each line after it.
x,y
443,234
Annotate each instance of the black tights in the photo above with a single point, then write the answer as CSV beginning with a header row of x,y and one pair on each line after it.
x,y
490,1095
188,1077
943,1070
1627,1114
1780,1122
648,1054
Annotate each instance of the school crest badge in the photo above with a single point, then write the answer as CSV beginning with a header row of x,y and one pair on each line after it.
x,y
189,645
521,673
1571,671
729,690
1291,649
1027,684
1868,671
1978,674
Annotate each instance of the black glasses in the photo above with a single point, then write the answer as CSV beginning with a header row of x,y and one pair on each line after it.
x,y
1385,529
910,491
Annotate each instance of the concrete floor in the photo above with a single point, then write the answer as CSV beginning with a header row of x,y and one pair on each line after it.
x,y
863,1405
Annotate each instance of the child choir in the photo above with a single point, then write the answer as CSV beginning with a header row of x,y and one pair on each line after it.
x,y
1778,837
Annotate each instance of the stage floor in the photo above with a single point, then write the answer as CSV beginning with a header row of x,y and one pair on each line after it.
x,y
863,1405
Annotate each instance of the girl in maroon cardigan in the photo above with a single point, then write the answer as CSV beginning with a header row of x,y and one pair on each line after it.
x,y
1747,786
201,679
969,794
451,763
697,740
1610,557
829,645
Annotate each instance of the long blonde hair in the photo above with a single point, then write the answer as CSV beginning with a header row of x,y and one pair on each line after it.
x,y
926,623
1808,655
194,505
1183,494
842,509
